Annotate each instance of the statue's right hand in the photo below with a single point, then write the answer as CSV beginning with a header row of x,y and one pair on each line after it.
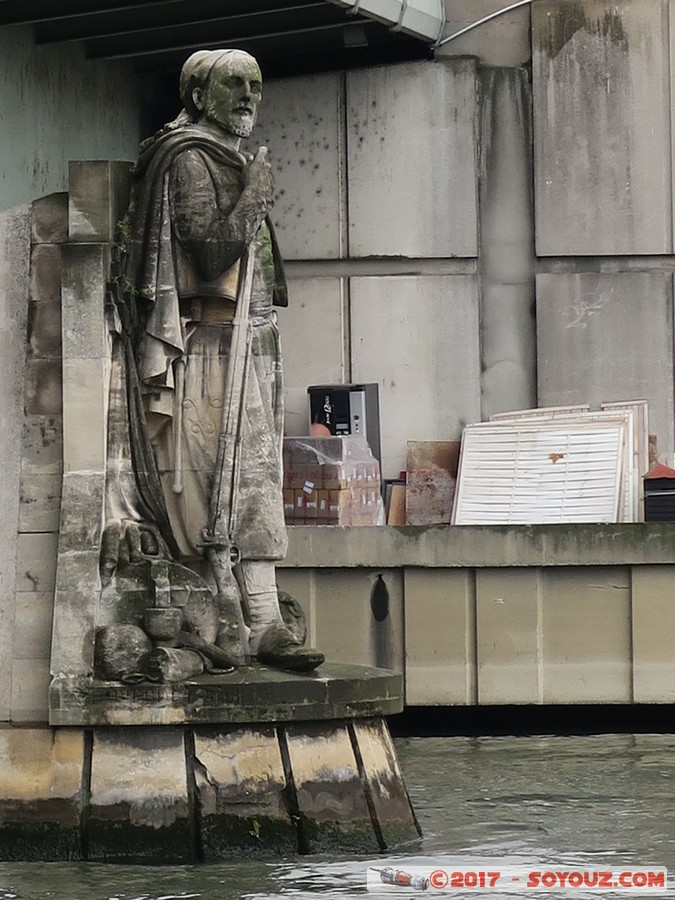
x,y
259,179
129,542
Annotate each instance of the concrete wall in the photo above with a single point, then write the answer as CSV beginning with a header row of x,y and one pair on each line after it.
x,y
386,180
496,615
56,106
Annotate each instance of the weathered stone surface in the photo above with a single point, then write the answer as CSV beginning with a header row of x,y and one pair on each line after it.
x,y
98,195
411,151
590,350
30,690
42,448
83,296
302,121
390,804
254,694
81,512
44,311
33,625
42,392
36,562
49,219
332,808
602,99
139,790
14,293
176,795
241,789
45,274
313,322
77,587
40,503
440,664
40,784
394,322
84,414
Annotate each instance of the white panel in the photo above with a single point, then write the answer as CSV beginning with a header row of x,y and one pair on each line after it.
x,y
411,157
526,473
418,338
301,121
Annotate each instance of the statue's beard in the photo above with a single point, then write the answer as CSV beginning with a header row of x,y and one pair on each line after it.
x,y
235,124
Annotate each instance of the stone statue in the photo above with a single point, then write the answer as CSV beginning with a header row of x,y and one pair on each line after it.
x,y
200,519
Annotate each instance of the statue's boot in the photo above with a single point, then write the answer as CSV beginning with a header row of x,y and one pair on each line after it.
x,y
270,641
280,648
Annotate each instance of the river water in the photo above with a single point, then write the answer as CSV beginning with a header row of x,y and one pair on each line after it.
x,y
603,801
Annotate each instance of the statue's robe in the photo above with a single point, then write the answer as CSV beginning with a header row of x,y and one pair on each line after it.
x,y
190,222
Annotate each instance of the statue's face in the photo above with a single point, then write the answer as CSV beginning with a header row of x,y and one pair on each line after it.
x,y
232,95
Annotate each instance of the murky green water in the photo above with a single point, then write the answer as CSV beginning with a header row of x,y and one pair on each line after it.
x,y
601,801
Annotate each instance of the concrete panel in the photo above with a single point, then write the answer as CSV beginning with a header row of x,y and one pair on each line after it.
x,y
40,783
302,122
508,623
608,337
98,196
347,613
586,635
440,637
40,503
332,807
313,343
42,446
50,219
603,172
508,334
49,91
85,414
30,690
241,785
36,562
411,160
653,605
504,41
14,293
418,338
299,583
33,625
83,298
138,786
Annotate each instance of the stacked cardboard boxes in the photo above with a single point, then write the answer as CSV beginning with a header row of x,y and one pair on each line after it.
x,y
331,481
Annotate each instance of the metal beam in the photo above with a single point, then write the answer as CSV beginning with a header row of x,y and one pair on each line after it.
x,y
132,22
222,33
28,12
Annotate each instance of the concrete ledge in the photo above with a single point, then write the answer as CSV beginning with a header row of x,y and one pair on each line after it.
x,y
475,546
250,694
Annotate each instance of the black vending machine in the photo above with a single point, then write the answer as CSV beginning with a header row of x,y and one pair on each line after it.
x,y
347,409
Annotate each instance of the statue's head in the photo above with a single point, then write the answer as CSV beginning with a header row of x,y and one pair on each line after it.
x,y
222,88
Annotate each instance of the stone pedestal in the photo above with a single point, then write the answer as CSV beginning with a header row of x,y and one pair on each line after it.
x,y
285,764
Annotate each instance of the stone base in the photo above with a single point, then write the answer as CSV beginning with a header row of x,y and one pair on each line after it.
x,y
186,794
248,694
